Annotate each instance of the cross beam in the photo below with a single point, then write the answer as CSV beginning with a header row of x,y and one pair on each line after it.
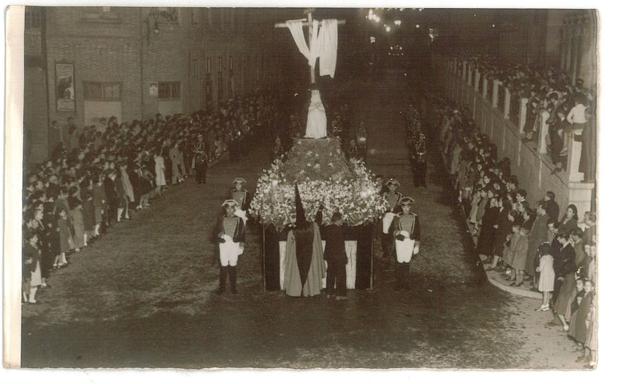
x,y
308,22
305,23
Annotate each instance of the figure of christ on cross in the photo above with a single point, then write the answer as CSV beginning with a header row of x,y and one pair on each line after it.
x,y
322,45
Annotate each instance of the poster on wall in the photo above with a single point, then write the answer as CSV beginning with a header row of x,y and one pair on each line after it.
x,y
65,87
153,90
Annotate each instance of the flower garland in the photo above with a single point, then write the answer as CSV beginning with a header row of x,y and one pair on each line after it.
x,y
356,196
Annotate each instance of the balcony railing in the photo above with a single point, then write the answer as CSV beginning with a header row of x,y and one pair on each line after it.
x,y
502,116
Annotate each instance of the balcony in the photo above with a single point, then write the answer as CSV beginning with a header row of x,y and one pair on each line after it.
x,y
502,116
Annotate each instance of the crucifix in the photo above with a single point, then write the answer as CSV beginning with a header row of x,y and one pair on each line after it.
x,y
308,22
322,45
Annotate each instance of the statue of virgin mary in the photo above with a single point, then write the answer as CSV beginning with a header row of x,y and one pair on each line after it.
x,y
316,117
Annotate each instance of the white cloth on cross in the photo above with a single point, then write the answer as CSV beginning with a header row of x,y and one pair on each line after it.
x,y
316,117
323,43
327,43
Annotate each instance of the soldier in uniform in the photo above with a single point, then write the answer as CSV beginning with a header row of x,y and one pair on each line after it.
x,y
230,234
407,231
419,159
200,160
393,197
240,194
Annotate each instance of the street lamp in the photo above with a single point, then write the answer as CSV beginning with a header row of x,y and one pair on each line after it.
x,y
397,22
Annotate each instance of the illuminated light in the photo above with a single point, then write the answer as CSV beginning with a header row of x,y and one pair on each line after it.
x,y
387,28
418,26
397,22
493,25
377,19
372,39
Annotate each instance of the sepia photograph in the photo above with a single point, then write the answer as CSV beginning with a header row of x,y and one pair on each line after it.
x,y
306,188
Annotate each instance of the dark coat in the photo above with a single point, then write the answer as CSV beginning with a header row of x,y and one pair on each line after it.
x,y
239,233
564,263
567,226
246,201
334,251
553,210
416,228
537,236
504,229
485,242
110,191
31,256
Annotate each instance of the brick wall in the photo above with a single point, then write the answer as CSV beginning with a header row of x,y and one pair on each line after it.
x,y
135,47
36,136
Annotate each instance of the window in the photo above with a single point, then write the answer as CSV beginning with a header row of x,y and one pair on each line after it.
x,y
222,23
34,17
232,18
169,14
96,91
169,90
99,15
221,68
195,15
208,65
195,68
215,18
220,86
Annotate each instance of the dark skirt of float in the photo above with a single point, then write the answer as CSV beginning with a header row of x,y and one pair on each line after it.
x,y
273,244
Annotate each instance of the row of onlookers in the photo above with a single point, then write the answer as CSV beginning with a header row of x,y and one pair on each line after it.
x,y
99,176
530,244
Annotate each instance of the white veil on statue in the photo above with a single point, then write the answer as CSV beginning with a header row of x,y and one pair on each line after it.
x,y
316,117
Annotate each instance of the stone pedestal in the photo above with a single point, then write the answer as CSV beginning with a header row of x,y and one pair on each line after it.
x,y
542,129
574,155
523,109
494,96
507,103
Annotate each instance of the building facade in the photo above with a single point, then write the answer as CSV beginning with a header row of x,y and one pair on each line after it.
x,y
90,63
560,38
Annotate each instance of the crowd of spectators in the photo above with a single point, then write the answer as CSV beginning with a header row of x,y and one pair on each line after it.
x,y
570,105
103,173
529,244
417,146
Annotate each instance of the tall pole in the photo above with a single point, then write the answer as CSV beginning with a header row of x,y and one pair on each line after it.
x,y
312,66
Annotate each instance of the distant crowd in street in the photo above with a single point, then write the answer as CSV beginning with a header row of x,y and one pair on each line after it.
x,y
101,174
531,244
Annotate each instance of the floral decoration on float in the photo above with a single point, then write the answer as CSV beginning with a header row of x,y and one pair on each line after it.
x,y
326,180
